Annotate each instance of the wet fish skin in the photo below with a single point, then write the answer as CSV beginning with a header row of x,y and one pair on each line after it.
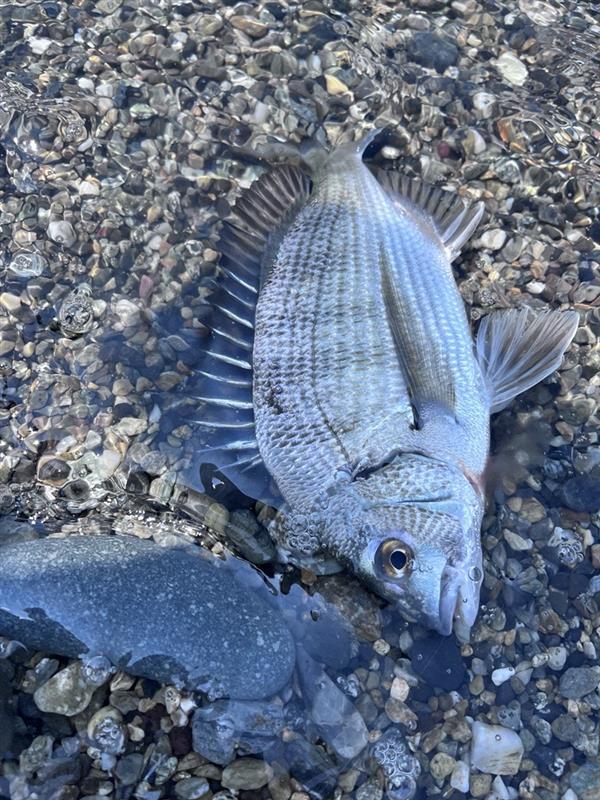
x,y
331,398
370,404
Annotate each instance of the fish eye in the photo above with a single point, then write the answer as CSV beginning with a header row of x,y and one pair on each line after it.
x,y
395,558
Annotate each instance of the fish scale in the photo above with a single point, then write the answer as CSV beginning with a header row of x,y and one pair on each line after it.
x,y
369,403
342,369
338,370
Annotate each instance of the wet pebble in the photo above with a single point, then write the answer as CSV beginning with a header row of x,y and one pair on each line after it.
x,y
192,789
27,264
495,749
246,773
576,682
582,493
68,692
432,50
62,232
585,781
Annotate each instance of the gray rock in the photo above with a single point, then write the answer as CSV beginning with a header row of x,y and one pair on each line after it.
x,y
173,615
246,773
68,692
585,781
579,681
227,726
336,718
192,789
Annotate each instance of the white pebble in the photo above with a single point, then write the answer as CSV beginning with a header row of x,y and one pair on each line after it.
x,y
512,69
493,239
62,232
39,44
496,750
459,779
501,675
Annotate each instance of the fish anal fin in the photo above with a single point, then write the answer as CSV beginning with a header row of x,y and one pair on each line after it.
x,y
451,220
517,348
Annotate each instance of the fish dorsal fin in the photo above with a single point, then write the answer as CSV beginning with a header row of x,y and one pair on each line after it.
x,y
222,382
453,222
518,348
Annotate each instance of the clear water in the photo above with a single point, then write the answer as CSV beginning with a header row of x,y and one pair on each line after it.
x,y
113,277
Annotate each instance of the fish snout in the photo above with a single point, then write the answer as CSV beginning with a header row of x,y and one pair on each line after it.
x,y
459,601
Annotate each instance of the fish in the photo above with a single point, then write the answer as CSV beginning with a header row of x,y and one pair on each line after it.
x,y
341,383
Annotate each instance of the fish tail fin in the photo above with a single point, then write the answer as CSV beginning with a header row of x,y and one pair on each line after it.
x,y
517,348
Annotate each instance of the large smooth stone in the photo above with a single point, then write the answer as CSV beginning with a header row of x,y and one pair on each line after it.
x,y
176,615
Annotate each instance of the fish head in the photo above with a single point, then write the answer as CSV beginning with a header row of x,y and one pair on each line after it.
x,y
421,564
421,554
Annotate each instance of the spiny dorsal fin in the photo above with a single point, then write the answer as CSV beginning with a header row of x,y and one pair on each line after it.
x,y
454,222
518,348
222,383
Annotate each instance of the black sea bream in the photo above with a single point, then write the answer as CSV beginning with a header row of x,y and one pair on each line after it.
x,y
341,360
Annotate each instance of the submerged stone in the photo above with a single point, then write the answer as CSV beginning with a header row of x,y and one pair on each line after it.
x,y
174,615
227,727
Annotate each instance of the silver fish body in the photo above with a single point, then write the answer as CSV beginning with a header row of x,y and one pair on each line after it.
x,y
332,400
370,403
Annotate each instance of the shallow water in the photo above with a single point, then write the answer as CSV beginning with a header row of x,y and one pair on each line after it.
x,y
126,133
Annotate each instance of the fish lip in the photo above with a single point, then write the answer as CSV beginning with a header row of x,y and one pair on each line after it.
x,y
449,601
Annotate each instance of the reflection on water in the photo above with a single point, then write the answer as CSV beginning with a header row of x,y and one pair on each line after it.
x,y
126,131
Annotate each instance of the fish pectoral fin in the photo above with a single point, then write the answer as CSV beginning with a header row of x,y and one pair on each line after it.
x,y
452,221
428,391
518,348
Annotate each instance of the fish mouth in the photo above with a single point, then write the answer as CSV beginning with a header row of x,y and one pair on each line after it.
x,y
459,604
449,602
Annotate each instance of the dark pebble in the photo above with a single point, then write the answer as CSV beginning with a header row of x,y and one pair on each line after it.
x,y
430,50
582,493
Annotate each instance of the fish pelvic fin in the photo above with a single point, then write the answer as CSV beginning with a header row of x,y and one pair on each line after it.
x,y
452,221
518,348
417,361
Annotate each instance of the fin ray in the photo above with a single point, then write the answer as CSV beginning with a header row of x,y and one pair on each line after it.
x,y
518,348
223,380
452,221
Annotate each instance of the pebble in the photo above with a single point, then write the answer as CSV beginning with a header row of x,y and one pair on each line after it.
x,y
432,50
493,239
501,675
495,749
11,302
247,774
582,493
192,789
512,69
585,781
27,264
576,682
68,692
334,85
108,607
251,726
62,232
333,713
459,779
442,765
484,103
